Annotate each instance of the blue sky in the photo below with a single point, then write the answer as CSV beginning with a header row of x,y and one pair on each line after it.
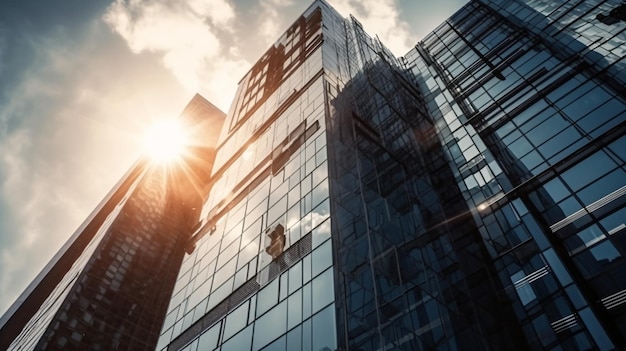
x,y
81,81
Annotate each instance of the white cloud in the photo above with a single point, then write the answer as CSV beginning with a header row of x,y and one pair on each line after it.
x,y
69,128
191,36
382,18
16,175
220,12
32,200
271,26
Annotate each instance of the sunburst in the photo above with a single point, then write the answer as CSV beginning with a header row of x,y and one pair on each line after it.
x,y
166,141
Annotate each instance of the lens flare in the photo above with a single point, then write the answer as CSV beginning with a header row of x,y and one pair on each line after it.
x,y
165,141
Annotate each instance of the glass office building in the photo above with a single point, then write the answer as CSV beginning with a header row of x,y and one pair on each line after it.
x,y
108,288
528,102
469,195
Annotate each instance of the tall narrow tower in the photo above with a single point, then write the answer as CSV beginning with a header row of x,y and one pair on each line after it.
x,y
109,286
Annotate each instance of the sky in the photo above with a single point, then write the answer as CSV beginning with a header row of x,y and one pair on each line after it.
x,y
82,81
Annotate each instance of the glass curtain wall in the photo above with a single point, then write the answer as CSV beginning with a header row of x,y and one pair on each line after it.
x,y
526,103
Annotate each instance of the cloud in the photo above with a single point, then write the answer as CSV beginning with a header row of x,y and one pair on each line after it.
x,y
382,18
30,199
199,41
272,14
220,12
70,126
192,37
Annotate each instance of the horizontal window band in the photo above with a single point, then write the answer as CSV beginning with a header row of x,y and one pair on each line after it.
x,y
286,260
263,128
589,209
273,163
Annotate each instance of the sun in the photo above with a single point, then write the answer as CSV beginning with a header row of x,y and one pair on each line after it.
x,y
165,141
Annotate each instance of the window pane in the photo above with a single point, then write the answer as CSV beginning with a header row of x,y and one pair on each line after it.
x,y
588,170
271,325
323,291
208,340
236,320
267,297
240,341
324,334
524,290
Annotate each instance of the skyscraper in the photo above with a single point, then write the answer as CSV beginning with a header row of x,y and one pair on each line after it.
x,y
465,196
108,288
529,102
468,195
